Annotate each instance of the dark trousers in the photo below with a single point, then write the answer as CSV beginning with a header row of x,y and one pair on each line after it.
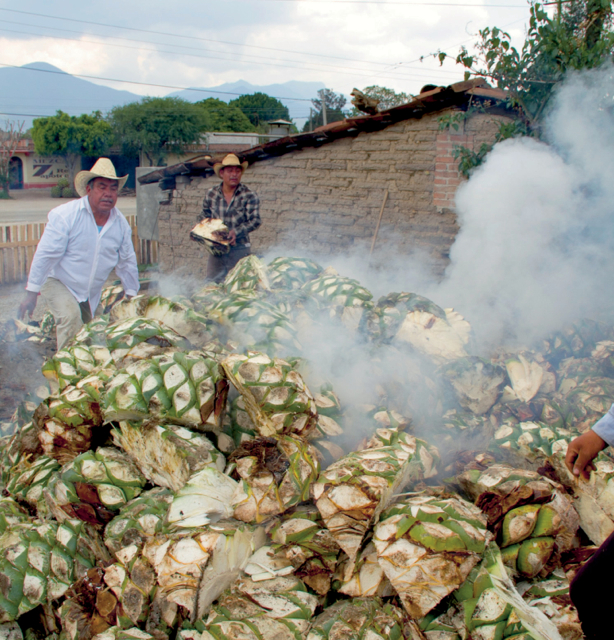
x,y
86,312
592,592
219,266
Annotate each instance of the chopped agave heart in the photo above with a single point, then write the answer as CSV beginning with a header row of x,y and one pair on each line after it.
x,y
476,382
359,619
342,298
522,504
133,582
256,324
89,607
95,485
274,474
352,492
213,234
197,328
27,480
368,577
40,561
493,608
110,296
577,340
207,297
184,321
279,608
249,274
139,520
275,395
546,596
385,319
204,499
528,442
167,455
311,549
183,387
427,547
193,570
11,513
587,402
73,363
69,423
526,377
433,335
125,335
459,427
92,333
132,308
292,273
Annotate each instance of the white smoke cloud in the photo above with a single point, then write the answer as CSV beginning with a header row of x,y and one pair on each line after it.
x,y
535,249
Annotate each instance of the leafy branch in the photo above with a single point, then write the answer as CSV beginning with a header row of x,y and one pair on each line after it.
x,y
578,37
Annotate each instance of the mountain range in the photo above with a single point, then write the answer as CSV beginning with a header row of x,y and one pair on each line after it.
x,y
40,89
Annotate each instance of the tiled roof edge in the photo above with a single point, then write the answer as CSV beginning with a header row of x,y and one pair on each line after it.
x,y
429,102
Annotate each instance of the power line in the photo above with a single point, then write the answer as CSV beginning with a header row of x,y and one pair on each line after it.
x,y
397,2
23,115
180,46
349,70
236,44
145,84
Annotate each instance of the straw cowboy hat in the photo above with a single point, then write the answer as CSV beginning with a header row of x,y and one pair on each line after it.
x,y
102,169
229,161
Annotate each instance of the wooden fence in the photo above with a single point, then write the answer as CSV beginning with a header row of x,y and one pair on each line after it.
x,y
18,243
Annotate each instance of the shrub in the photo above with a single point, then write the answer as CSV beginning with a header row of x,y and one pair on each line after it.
x,y
63,183
68,192
56,192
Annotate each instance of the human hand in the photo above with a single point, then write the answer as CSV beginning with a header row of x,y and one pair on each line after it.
x,y
582,451
28,305
232,236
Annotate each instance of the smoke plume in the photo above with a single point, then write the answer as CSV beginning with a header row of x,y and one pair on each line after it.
x,y
535,249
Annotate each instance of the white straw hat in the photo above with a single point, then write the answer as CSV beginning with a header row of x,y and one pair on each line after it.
x,y
102,169
230,160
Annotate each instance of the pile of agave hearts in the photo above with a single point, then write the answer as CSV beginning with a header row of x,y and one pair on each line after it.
x,y
194,475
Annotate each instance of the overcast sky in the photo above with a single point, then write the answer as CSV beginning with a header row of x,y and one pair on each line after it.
x,y
342,43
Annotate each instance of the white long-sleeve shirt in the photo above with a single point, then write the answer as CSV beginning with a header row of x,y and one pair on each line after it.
x,y
604,427
73,251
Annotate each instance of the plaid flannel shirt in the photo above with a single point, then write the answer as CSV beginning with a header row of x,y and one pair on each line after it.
x,y
242,214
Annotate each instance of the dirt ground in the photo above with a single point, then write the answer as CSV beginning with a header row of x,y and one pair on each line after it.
x,y
20,362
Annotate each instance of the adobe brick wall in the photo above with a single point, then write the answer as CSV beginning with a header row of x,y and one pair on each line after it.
x,y
327,200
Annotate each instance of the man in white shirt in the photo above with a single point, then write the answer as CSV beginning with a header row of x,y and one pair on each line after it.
x,y
83,242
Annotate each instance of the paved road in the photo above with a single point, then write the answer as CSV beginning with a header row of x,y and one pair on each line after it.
x,y
24,210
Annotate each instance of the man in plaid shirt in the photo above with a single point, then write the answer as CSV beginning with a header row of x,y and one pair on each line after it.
x,y
238,207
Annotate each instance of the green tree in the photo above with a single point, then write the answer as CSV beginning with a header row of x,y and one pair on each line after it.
x,y
578,37
334,108
157,127
261,108
221,116
388,98
72,137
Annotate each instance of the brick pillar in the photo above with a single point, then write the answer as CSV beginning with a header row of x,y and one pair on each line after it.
x,y
447,177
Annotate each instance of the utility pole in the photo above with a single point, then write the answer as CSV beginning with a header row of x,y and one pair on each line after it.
x,y
324,120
